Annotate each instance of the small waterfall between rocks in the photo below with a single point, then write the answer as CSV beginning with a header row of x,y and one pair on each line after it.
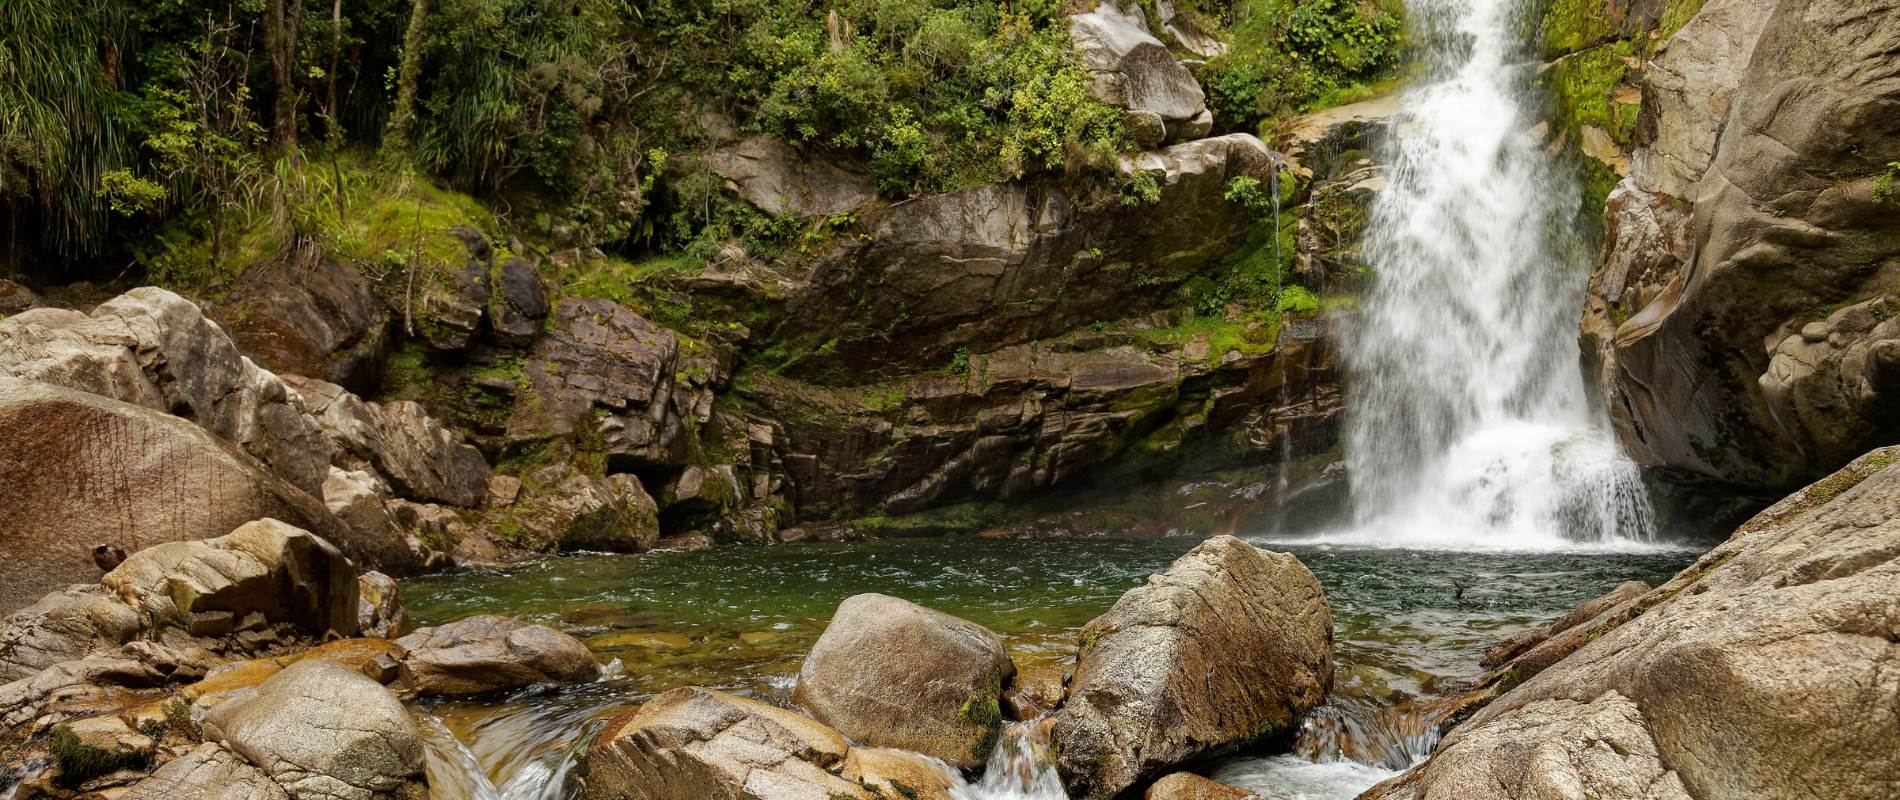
x,y
1468,424
1019,768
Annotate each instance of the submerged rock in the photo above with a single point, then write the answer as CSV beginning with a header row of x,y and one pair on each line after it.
x,y
694,744
1230,645
488,653
1189,786
1766,669
890,673
323,731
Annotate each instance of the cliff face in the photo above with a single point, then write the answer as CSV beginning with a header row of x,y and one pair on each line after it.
x,y
1737,320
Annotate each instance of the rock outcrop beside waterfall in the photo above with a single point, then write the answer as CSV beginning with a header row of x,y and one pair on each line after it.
x,y
1231,645
1764,670
1737,319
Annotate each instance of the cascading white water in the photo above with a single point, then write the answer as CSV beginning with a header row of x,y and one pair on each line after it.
x,y
1019,768
1468,422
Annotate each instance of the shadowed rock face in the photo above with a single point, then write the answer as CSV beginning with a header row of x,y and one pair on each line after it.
x,y
265,566
1231,644
314,317
82,470
1738,312
696,744
890,673
1767,669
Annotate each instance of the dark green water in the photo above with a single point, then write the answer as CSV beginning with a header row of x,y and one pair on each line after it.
x,y
741,619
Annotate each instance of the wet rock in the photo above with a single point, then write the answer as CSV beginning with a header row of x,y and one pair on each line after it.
x,y
379,611
85,470
207,772
309,316
890,673
63,626
1036,691
1132,69
783,182
692,743
520,301
153,348
1755,672
1229,645
1189,786
489,653
322,730
264,567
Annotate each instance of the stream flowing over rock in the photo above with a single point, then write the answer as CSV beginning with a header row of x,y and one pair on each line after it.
x,y
1767,669
890,673
1739,314
1232,644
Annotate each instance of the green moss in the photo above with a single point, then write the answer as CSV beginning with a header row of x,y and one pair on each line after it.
x,y
1675,15
80,762
1573,25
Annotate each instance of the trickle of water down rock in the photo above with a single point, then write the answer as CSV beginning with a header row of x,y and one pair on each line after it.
x,y
1468,422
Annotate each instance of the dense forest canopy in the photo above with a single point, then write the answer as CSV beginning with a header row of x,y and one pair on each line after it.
x,y
142,136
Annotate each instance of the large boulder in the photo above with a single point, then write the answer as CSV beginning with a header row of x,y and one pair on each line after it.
x,y
65,625
309,316
1230,645
323,731
488,653
891,673
561,508
695,744
784,182
1132,69
156,349
1735,316
264,567
1189,786
1766,669
207,772
84,470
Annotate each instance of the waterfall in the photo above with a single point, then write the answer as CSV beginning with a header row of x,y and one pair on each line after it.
x,y
1019,768
1468,424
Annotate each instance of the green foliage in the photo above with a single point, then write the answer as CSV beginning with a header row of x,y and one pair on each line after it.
x,y
1883,184
1141,188
80,762
1291,56
960,362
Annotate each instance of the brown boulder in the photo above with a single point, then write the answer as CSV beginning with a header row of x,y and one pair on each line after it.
x,y
418,456
1230,645
264,567
488,653
323,731
85,470
890,673
696,744
309,316
1189,786
207,772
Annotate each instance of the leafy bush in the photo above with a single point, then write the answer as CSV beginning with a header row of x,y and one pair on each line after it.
x,y
1292,56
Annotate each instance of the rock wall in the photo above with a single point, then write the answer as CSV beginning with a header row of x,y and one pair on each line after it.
x,y
1737,319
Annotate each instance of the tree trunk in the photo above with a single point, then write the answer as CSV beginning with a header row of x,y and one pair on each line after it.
x,y
402,118
280,38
